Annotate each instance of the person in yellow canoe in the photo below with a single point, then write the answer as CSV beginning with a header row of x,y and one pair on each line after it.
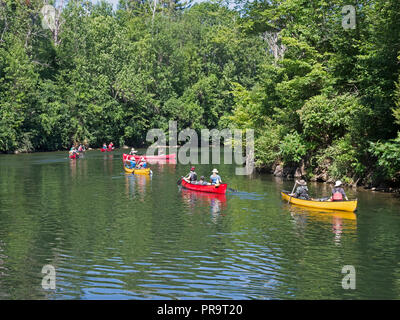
x,y
301,191
142,163
338,193
131,163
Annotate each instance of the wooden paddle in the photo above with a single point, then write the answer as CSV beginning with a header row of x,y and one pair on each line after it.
x,y
290,198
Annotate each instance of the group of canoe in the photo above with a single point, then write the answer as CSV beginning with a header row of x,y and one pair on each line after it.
x,y
220,188
135,164
76,151
108,148
328,204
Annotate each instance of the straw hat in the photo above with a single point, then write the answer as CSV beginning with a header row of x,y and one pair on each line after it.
x,y
214,170
302,182
338,183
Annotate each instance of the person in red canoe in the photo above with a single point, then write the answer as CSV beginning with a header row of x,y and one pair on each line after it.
x,y
215,178
142,163
203,182
191,177
73,152
104,146
111,146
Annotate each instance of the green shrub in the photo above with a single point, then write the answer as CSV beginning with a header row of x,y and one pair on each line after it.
x,y
292,148
388,156
343,159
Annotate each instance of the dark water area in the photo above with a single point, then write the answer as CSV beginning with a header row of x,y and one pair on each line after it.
x,y
110,235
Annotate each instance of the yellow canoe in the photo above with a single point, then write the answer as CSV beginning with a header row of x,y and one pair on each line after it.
x,y
142,171
350,205
127,170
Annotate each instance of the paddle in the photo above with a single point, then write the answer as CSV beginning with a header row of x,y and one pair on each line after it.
x,y
179,182
292,191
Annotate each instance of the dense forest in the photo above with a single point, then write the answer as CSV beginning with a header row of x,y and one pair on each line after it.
x,y
320,97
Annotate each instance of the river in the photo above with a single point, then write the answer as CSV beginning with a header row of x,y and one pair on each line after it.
x,y
109,235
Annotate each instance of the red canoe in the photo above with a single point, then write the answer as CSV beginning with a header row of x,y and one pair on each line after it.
x,y
205,188
73,156
159,157
108,149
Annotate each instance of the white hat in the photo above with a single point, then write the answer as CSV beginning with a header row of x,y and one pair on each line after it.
x,y
302,182
215,170
338,183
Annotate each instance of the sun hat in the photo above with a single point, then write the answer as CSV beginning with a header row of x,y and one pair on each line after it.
x,y
302,182
338,183
215,170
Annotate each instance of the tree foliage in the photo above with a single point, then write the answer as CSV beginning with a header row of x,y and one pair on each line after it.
x,y
313,91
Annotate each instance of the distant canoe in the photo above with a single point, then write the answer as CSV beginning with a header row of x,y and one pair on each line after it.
x,y
159,157
205,188
345,205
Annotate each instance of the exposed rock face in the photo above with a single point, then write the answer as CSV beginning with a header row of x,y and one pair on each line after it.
x,y
288,172
278,172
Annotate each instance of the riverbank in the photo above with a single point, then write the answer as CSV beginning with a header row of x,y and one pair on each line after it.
x,y
318,175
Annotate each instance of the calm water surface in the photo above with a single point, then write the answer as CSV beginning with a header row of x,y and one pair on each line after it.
x,y
115,236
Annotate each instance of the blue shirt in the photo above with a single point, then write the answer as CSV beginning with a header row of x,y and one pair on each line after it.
x,y
215,179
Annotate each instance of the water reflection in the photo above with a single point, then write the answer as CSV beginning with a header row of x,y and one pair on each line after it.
x,y
339,221
162,242
195,199
108,163
136,185
72,165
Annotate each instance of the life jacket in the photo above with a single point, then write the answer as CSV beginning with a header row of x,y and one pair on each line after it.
x,y
337,196
193,176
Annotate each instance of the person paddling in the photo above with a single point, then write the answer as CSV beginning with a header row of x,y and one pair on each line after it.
x,y
104,146
111,146
338,193
73,152
191,177
215,178
301,191
131,163
133,151
142,164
